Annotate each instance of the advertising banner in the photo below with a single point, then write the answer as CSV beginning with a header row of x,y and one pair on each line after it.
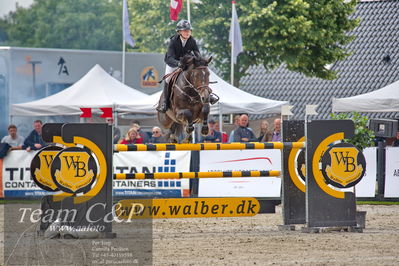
x,y
366,187
392,173
242,160
151,162
17,181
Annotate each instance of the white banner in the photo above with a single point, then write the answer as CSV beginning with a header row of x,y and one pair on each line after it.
x,y
392,173
17,181
241,160
152,162
367,186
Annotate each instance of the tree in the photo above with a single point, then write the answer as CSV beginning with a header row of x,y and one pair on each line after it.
x,y
150,24
363,136
305,35
83,24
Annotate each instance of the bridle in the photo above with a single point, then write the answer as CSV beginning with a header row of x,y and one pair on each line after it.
x,y
196,89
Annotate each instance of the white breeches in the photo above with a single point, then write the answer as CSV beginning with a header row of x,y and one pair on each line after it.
x,y
168,70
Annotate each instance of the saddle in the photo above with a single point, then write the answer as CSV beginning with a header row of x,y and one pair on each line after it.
x,y
173,77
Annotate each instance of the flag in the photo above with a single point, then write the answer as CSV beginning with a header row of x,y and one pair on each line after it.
x,y
126,27
175,7
235,34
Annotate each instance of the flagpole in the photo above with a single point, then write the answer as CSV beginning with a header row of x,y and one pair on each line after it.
x,y
188,11
232,46
123,46
123,62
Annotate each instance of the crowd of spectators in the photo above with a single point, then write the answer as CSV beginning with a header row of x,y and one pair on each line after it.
x,y
135,135
13,141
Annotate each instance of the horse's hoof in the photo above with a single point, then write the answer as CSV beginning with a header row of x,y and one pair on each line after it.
x,y
204,131
190,130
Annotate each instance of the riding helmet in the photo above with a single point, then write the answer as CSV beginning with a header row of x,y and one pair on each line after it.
x,y
183,25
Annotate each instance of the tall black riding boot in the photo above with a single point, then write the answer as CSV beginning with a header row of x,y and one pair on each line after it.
x,y
213,98
164,105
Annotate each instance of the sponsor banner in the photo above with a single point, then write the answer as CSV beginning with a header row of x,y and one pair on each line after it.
x,y
17,181
392,173
367,186
186,208
242,160
150,188
152,162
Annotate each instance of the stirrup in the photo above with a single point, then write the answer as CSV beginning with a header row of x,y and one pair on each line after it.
x,y
213,98
162,108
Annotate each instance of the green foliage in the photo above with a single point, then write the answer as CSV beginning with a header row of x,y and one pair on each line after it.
x,y
83,24
304,35
363,137
150,24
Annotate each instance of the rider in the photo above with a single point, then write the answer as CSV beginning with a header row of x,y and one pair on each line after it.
x,y
181,44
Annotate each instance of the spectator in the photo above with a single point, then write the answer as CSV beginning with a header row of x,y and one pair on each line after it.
x,y
13,139
213,135
276,137
396,142
243,133
156,136
236,122
225,137
136,125
117,131
265,135
132,137
34,141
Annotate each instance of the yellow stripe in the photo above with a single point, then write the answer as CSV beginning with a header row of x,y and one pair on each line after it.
x,y
209,146
292,171
120,147
318,176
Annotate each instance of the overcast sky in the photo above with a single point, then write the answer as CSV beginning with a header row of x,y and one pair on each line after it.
x,y
9,5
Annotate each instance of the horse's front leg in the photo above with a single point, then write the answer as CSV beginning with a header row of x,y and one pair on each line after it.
x,y
204,114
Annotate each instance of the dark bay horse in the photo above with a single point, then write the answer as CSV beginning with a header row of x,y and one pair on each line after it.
x,y
189,99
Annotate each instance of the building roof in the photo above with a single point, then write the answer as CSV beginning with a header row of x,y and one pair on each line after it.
x,y
365,70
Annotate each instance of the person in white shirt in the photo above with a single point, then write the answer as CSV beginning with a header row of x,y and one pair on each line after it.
x,y
13,139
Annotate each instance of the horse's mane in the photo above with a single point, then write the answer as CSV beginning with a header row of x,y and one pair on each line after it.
x,y
193,61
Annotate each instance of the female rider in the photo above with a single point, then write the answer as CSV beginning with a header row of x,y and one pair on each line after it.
x,y
181,44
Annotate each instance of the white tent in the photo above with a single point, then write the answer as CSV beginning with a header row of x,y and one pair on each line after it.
x,y
385,99
96,89
232,100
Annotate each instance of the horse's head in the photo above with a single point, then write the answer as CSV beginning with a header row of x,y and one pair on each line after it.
x,y
199,77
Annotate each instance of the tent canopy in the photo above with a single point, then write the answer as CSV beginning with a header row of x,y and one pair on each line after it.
x,y
232,100
96,89
385,99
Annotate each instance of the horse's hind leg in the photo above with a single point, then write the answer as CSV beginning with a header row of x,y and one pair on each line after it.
x,y
173,133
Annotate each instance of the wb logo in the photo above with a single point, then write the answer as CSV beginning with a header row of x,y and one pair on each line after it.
x,y
345,158
75,163
41,166
74,170
343,165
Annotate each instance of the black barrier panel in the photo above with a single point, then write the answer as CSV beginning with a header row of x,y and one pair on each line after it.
x,y
29,228
293,193
326,206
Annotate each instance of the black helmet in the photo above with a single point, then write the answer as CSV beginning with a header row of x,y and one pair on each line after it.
x,y
183,25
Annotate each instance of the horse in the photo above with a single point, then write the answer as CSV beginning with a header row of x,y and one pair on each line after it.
x,y
189,99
